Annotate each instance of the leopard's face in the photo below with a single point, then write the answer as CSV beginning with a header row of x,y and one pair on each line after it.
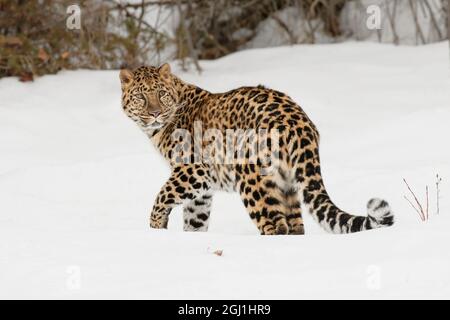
x,y
149,97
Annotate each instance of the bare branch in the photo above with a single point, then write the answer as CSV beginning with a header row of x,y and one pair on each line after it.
x,y
416,21
391,18
190,45
433,20
284,26
420,215
438,181
426,212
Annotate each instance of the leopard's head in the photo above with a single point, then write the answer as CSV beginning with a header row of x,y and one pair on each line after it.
x,y
149,96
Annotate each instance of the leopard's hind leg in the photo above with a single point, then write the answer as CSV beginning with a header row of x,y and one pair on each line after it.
x,y
264,200
294,211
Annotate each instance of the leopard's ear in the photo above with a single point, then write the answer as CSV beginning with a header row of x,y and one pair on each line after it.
x,y
164,71
126,78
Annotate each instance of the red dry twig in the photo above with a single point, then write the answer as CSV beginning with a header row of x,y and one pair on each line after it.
x,y
423,214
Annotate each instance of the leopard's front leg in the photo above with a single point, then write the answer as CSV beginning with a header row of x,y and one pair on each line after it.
x,y
159,217
186,182
196,213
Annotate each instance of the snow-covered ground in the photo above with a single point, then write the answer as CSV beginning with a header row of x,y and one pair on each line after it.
x,y
78,180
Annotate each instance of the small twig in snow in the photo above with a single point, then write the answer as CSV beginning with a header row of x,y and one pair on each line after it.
x,y
415,198
420,215
218,253
438,181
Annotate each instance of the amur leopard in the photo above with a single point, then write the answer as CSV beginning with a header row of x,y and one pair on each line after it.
x,y
163,105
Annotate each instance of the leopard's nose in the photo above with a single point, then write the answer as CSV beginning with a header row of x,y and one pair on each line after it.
x,y
155,114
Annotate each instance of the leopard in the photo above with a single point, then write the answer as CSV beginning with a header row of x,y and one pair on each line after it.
x,y
161,103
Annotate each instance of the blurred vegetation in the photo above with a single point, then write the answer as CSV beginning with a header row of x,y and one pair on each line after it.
x,y
34,38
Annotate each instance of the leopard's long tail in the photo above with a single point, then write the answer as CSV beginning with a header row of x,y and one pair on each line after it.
x,y
329,216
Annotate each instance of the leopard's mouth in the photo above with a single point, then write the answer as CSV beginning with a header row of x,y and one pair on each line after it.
x,y
150,122
156,125
153,123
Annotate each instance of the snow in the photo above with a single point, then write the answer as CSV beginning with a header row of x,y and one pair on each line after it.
x,y
78,179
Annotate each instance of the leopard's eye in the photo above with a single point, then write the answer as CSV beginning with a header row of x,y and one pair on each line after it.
x,y
162,93
139,96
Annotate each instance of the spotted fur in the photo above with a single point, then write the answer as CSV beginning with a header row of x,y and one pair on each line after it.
x,y
159,102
